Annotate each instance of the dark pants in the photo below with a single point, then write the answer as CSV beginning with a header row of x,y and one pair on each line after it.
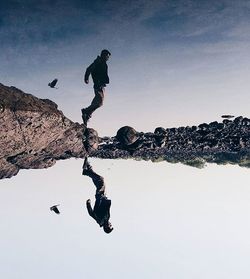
x,y
97,101
98,182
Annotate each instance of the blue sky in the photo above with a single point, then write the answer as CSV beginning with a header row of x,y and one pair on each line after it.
x,y
185,62
51,22
173,63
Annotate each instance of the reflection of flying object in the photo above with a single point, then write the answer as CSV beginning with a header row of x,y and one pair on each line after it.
x,y
227,116
55,209
52,84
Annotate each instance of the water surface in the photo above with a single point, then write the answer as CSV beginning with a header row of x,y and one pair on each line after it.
x,y
170,221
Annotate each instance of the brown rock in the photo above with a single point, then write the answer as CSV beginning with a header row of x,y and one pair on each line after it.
x,y
91,140
34,133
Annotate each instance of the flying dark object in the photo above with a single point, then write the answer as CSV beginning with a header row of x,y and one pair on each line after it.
x,y
55,209
53,83
227,116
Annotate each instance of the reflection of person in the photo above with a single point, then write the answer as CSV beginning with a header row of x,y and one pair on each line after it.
x,y
99,72
101,210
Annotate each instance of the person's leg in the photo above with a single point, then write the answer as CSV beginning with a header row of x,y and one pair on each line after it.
x,y
95,104
97,101
96,178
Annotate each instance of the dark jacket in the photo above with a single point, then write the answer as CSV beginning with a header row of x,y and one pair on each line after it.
x,y
99,72
101,211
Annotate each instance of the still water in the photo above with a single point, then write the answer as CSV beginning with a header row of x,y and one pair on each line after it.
x,y
170,221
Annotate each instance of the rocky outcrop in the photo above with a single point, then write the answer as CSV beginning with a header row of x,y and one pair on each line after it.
x,y
34,133
221,143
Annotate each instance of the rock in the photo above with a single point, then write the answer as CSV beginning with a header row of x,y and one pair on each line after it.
x,y
160,131
220,126
203,126
181,129
50,103
213,124
238,120
213,142
2,107
160,137
203,132
127,135
34,133
91,140
227,121
245,121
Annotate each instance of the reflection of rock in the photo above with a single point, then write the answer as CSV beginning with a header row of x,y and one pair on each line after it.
x,y
226,142
160,136
34,133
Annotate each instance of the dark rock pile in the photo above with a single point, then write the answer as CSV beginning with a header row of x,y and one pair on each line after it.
x,y
225,142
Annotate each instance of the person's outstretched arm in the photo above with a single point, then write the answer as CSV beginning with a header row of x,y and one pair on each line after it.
x,y
88,72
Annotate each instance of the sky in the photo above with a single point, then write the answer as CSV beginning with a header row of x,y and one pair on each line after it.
x,y
173,63
170,221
